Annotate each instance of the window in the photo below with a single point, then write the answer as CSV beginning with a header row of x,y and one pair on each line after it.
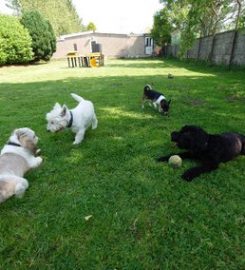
x,y
75,46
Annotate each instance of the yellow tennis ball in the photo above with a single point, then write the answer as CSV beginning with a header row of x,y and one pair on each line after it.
x,y
175,161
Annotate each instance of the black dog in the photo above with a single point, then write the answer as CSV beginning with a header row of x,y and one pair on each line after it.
x,y
209,149
156,98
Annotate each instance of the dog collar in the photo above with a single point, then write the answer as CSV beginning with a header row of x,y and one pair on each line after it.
x,y
14,144
70,121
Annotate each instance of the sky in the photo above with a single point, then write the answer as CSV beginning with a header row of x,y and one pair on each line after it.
x,y
3,8
114,16
118,16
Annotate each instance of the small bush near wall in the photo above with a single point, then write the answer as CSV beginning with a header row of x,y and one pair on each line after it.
x,y
15,42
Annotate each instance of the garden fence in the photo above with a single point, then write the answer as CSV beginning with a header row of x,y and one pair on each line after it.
x,y
227,48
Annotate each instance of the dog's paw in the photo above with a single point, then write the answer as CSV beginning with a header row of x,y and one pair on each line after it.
x,y
39,160
76,143
20,188
188,176
162,159
38,152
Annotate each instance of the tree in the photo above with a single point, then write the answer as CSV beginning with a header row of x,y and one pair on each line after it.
x,y
42,34
201,18
15,5
161,31
15,41
91,27
208,17
61,14
52,37
242,21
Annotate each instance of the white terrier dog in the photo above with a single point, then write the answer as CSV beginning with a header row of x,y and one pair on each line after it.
x,y
17,157
78,119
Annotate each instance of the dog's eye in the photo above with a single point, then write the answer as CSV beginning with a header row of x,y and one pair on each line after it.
x,y
52,122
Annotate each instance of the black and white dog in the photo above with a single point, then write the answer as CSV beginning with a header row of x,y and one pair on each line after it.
x,y
209,149
156,99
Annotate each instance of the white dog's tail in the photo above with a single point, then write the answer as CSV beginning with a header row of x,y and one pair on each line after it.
x,y
77,98
94,122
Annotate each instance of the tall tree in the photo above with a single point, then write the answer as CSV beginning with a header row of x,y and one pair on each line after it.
x,y
201,18
15,5
242,19
161,31
61,14
41,32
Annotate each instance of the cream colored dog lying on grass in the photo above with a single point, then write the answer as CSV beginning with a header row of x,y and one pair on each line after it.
x,y
17,157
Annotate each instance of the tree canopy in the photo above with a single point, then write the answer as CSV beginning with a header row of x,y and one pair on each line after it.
x,y
61,14
161,31
15,41
91,27
200,18
42,34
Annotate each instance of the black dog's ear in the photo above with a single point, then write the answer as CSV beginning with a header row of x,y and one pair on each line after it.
x,y
169,101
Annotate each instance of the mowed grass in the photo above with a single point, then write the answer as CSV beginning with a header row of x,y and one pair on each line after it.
x,y
143,215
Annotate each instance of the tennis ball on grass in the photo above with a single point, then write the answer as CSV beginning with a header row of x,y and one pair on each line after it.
x,y
175,161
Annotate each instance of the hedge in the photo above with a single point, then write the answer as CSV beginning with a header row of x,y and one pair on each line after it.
x,y
15,41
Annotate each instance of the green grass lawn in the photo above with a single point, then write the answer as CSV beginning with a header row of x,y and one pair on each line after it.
x,y
143,215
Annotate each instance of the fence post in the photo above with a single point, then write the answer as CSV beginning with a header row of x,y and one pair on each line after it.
x,y
199,48
210,57
239,3
233,45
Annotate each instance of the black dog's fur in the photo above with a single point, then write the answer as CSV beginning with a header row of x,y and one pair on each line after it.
x,y
152,96
209,149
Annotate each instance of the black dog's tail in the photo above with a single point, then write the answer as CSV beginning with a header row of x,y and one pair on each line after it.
x,y
242,137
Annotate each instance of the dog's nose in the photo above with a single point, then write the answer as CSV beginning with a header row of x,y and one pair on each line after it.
x,y
48,130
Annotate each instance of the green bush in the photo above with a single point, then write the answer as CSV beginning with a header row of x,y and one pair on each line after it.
x,y
15,42
42,34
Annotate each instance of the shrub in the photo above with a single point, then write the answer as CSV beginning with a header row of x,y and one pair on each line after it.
x,y
15,41
42,34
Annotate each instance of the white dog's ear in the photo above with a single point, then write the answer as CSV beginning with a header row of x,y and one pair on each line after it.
x,y
56,106
64,110
29,144
25,141
19,132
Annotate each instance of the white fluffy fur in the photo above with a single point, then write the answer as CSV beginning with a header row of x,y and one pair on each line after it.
x,y
83,117
15,161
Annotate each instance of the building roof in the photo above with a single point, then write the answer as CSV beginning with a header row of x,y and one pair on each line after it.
x,y
88,33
